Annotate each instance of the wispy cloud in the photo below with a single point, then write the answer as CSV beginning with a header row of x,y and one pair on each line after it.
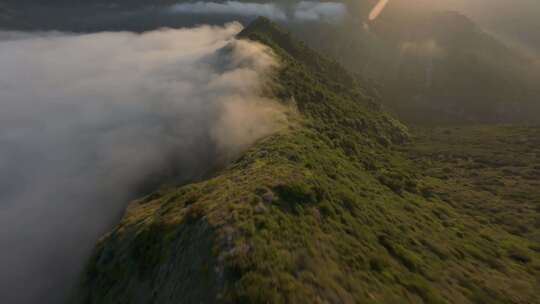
x,y
302,11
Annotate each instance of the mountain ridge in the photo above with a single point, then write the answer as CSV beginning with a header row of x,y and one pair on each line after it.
x,y
327,210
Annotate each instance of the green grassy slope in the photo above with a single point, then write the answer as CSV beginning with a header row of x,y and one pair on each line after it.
x,y
488,172
328,210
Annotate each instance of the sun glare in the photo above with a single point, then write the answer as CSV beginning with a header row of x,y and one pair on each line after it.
x,y
376,11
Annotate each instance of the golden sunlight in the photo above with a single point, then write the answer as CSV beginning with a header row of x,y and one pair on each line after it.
x,y
376,11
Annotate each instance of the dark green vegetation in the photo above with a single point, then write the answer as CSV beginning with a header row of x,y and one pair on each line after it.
x,y
340,206
489,173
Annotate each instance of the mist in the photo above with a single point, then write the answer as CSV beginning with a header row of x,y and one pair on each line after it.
x,y
90,121
300,11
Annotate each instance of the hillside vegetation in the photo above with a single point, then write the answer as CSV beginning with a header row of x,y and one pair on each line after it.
x,y
340,206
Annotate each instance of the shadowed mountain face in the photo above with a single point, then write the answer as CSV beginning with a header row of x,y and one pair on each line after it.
x,y
446,66
436,66
515,21
335,208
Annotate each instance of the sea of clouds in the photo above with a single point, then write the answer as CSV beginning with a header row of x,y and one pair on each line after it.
x,y
88,121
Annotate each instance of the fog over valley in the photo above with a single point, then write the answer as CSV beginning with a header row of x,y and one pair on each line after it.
x,y
121,113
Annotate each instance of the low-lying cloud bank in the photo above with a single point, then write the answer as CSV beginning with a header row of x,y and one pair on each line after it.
x,y
87,121
301,11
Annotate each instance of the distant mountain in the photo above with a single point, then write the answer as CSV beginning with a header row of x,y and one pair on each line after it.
x,y
336,208
447,66
515,22
436,66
